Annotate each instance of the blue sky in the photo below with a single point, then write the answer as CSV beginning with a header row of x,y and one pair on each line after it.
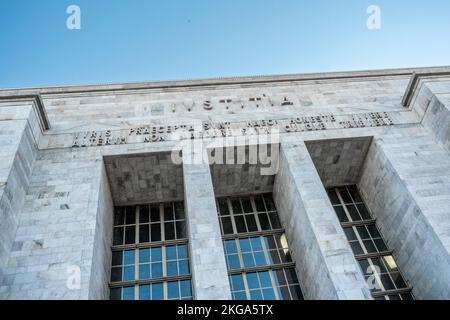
x,y
139,40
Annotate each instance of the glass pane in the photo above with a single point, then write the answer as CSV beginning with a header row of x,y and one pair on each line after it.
x,y
251,222
373,231
285,255
130,237
157,270
185,287
227,227
353,212
240,295
144,255
115,294
354,193
245,245
240,224
260,259
264,221
156,254
128,257
341,213
247,205
291,275
398,280
407,296
365,266
390,263
259,204
171,253
381,246
285,295
264,278
370,246
356,247
183,267
230,246
118,236
182,251
233,262
345,196
143,214
256,295
274,257
248,260
116,274
144,292
119,216
252,280
270,205
157,291
362,231
128,293
223,207
387,282
275,220
144,271
237,282
144,235
333,197
128,273
173,291
169,229
180,225
364,212
350,234
270,242
296,293
179,210
236,205
172,268
130,215
279,277
155,232
154,213
116,258
256,243
168,212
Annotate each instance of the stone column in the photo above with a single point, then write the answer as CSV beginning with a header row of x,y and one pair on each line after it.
x,y
17,155
406,184
209,271
325,263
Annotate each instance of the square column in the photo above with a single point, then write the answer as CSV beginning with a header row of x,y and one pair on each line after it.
x,y
209,270
325,263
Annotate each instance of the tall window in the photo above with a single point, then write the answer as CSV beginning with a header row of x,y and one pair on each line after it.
x,y
150,259
374,257
259,262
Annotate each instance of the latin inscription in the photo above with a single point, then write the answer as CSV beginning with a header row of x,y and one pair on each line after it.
x,y
210,129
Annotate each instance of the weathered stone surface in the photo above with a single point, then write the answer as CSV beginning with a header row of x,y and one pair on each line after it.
x,y
56,200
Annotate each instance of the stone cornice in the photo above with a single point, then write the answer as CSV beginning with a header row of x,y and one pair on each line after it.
x,y
37,103
414,83
253,80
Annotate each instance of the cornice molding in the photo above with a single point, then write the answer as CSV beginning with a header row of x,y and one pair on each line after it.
x,y
252,80
37,102
414,83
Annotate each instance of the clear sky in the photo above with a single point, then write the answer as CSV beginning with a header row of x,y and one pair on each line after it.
x,y
139,40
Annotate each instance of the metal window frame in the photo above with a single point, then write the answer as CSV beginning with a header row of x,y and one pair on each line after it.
x,y
260,233
148,245
366,254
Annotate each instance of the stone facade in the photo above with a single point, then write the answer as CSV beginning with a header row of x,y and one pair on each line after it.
x,y
70,154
